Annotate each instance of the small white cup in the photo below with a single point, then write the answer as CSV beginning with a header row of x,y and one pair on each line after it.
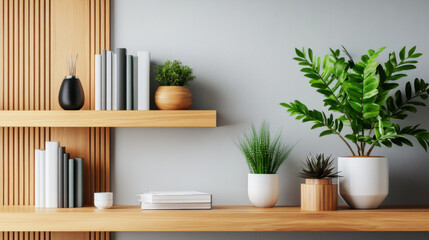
x,y
103,200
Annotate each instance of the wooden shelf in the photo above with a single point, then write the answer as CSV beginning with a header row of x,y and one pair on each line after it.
x,y
85,118
220,218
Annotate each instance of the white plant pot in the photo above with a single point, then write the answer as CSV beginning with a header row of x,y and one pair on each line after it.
x,y
365,181
263,189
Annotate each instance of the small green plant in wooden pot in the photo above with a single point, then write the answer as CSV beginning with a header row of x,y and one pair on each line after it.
x,y
318,193
173,92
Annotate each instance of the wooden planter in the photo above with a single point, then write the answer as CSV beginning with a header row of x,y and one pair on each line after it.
x,y
319,195
173,98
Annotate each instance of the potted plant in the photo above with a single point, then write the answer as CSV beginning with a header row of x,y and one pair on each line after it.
x,y
264,156
318,193
359,95
173,92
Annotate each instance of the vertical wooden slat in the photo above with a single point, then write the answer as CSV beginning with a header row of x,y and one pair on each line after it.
x,y
32,50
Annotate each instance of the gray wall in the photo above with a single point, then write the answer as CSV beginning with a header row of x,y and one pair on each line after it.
x,y
241,52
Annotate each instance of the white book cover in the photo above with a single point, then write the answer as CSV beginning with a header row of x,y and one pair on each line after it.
x,y
145,206
143,84
97,66
175,197
114,107
37,178
42,178
109,80
103,79
51,179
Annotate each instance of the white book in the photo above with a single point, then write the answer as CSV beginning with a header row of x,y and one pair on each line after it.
x,y
146,206
97,66
114,83
135,82
51,179
103,79
175,197
37,178
42,178
109,80
143,92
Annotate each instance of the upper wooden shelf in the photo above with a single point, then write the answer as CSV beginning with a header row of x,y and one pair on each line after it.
x,y
221,218
87,118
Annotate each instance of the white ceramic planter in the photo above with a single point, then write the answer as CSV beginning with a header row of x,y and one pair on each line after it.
x,y
263,189
365,181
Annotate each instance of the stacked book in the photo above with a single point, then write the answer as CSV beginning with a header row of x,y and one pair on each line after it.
x,y
58,178
122,80
175,200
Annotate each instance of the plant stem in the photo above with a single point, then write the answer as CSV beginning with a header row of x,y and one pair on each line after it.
x,y
348,145
370,148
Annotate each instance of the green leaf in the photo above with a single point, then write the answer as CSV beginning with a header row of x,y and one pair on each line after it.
x,y
351,137
326,132
310,54
402,54
408,90
299,53
404,67
412,50
415,55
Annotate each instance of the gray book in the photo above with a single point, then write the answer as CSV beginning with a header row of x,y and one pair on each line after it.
x,y
129,82
103,79
65,159
71,183
121,79
61,151
135,82
78,182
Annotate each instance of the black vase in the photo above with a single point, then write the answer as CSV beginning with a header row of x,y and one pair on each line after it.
x,y
71,95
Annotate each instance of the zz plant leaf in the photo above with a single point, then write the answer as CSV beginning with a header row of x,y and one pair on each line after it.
x,y
363,96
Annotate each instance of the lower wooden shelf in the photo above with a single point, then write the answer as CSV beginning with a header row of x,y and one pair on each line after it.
x,y
220,218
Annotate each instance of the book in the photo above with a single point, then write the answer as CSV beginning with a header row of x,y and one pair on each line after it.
x,y
135,82
114,82
61,151
146,206
78,179
175,197
129,83
37,178
109,80
103,79
42,179
143,83
51,180
121,78
66,157
97,69
71,183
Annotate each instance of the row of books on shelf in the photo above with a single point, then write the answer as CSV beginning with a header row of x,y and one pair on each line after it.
x,y
58,178
122,81
175,200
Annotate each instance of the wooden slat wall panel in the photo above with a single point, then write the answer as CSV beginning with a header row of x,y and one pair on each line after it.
x,y
35,39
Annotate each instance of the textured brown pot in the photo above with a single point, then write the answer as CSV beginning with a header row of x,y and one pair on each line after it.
x,y
173,98
319,195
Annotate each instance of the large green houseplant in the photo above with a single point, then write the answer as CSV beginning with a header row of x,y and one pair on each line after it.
x,y
358,93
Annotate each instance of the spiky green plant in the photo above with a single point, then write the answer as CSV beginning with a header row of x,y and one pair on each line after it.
x,y
264,154
318,167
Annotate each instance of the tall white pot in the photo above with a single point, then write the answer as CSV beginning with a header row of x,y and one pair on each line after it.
x,y
365,181
263,189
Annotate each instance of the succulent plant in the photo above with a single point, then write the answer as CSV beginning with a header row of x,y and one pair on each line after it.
x,y
318,167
